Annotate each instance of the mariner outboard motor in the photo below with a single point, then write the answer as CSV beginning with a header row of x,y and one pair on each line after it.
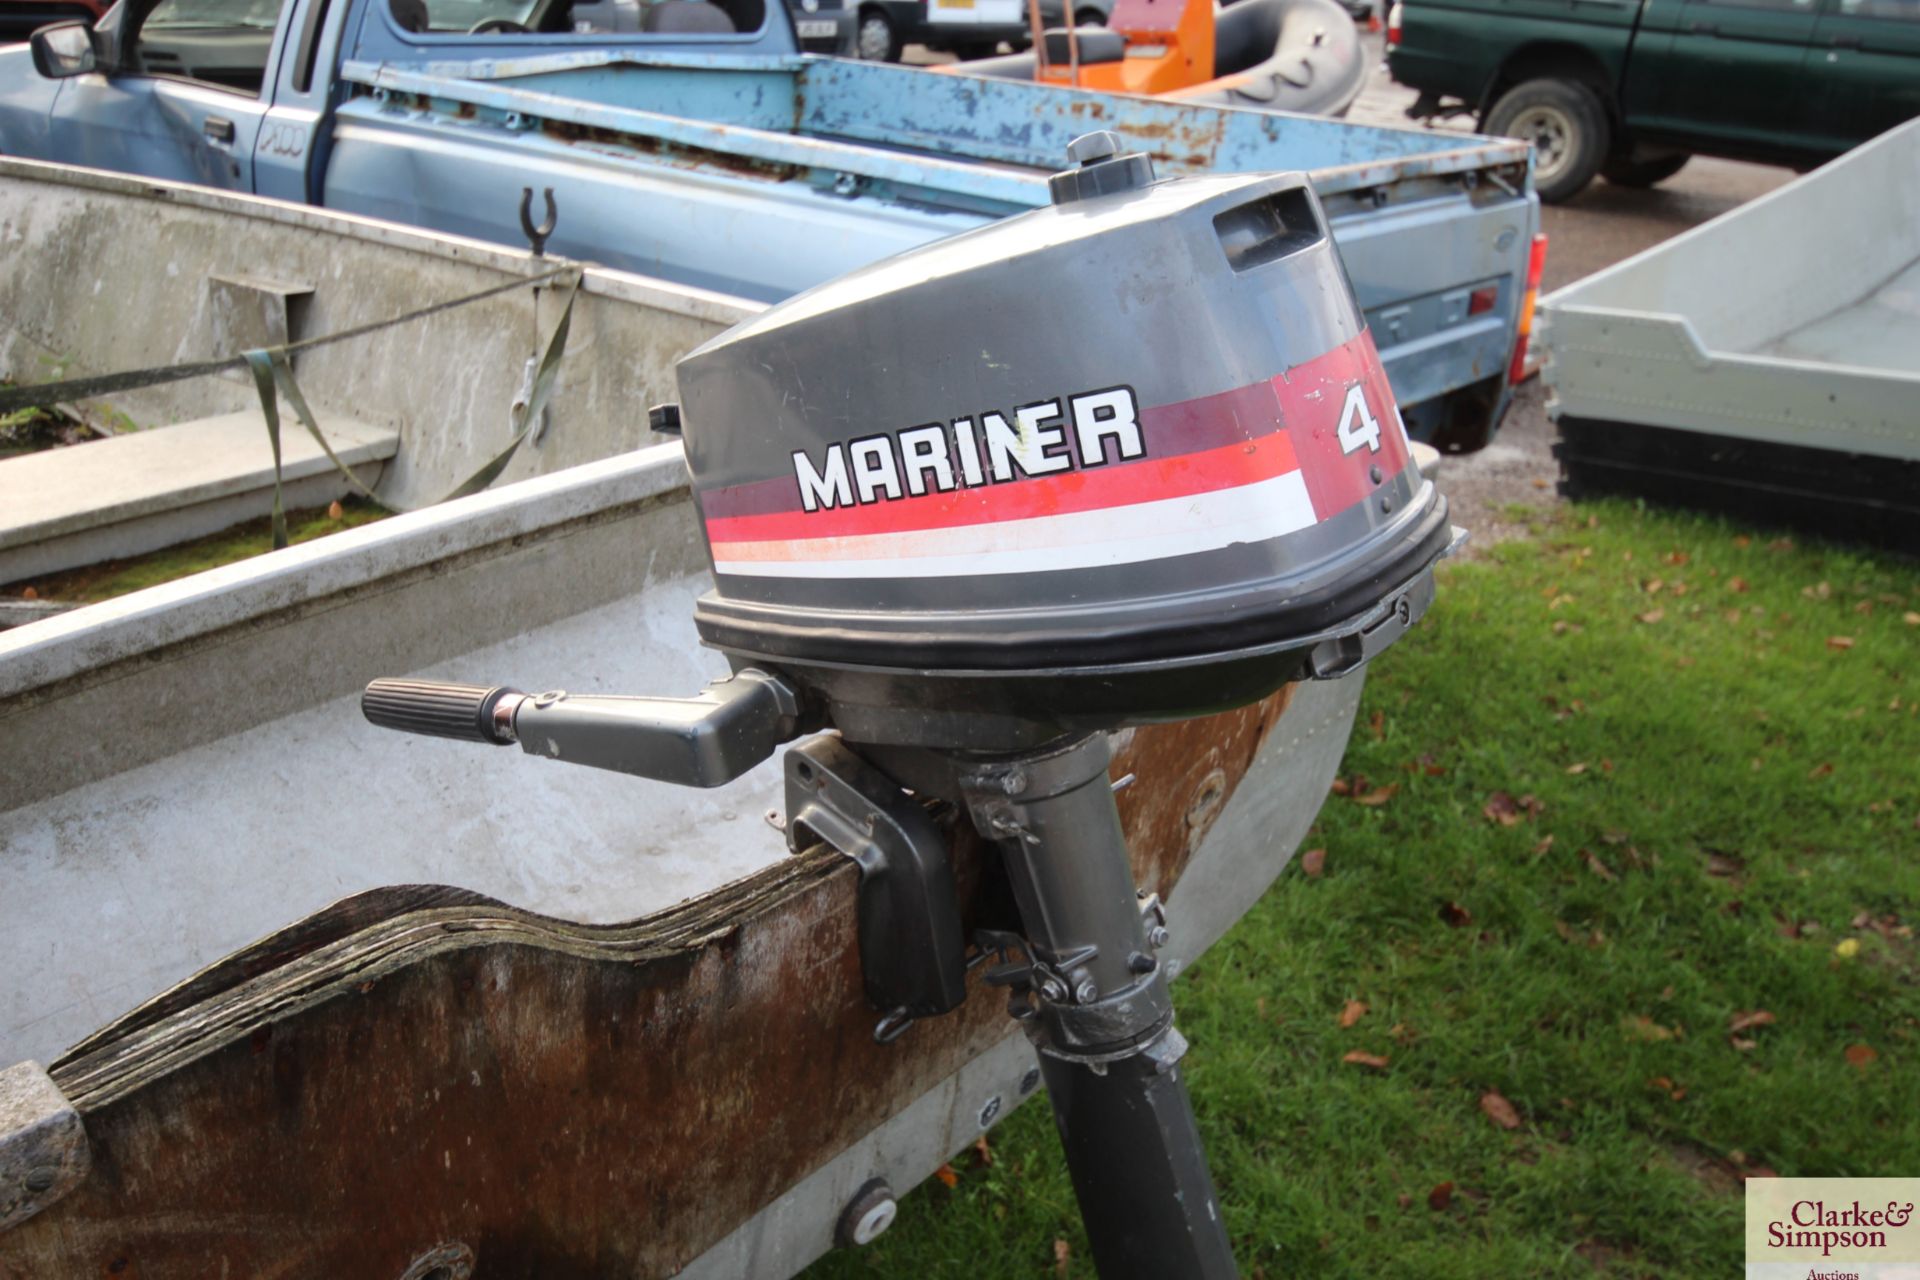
x,y
1129,458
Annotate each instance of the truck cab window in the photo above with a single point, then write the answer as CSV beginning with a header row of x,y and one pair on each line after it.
x,y
223,43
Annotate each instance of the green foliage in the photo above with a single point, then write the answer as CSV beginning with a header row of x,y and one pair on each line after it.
x,y
255,537
1750,802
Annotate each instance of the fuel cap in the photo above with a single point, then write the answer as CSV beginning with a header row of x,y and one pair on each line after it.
x,y
1104,168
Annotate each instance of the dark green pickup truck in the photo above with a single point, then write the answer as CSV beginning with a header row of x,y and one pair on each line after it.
x,y
1630,88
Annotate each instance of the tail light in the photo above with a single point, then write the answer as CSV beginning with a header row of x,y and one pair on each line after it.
x,y
1536,265
1393,24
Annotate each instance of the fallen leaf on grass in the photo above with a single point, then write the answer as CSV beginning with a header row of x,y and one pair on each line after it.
x,y
1747,1019
335,511
1742,1046
1313,861
1455,915
1570,934
1860,1056
1651,616
1372,1060
1911,618
1847,948
1737,585
1440,1197
1596,866
1742,541
1062,1255
1355,1010
1377,723
1341,787
1666,1086
1546,843
1820,770
982,1150
1499,1110
1641,1027
1577,769
1724,866
1508,812
1378,796
947,1176
1840,642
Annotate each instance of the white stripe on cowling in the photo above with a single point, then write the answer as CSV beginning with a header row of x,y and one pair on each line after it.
x,y
1142,531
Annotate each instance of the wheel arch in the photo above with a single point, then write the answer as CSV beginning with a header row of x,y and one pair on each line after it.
x,y
1550,60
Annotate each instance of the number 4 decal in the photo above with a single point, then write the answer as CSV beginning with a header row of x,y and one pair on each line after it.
x,y
1357,424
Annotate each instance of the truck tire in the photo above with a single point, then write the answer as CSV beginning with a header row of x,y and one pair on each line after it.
x,y
1089,18
1567,124
875,39
1625,171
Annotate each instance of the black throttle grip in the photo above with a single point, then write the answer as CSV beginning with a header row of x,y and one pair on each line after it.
x,y
438,709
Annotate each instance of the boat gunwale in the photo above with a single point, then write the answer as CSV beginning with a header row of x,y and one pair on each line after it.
x,y
55,650
597,281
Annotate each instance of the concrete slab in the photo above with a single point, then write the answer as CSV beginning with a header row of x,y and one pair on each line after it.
x,y
145,490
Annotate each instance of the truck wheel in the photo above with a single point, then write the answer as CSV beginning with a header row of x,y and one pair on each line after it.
x,y
876,40
1625,171
1089,18
1567,125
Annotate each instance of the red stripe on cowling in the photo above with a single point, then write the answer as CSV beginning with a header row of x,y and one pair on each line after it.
x,y
1312,398
1230,438
1149,480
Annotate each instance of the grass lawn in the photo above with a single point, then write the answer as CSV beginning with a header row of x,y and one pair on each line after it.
x,y
1636,922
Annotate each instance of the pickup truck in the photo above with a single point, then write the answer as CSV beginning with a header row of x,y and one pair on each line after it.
x,y
704,149
1629,89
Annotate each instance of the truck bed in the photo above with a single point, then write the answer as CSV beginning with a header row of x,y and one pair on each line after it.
x,y
761,178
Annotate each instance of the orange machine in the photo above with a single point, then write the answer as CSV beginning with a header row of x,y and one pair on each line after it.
x,y
1269,55
1162,45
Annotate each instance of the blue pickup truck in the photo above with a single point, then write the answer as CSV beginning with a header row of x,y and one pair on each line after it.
x,y
692,140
